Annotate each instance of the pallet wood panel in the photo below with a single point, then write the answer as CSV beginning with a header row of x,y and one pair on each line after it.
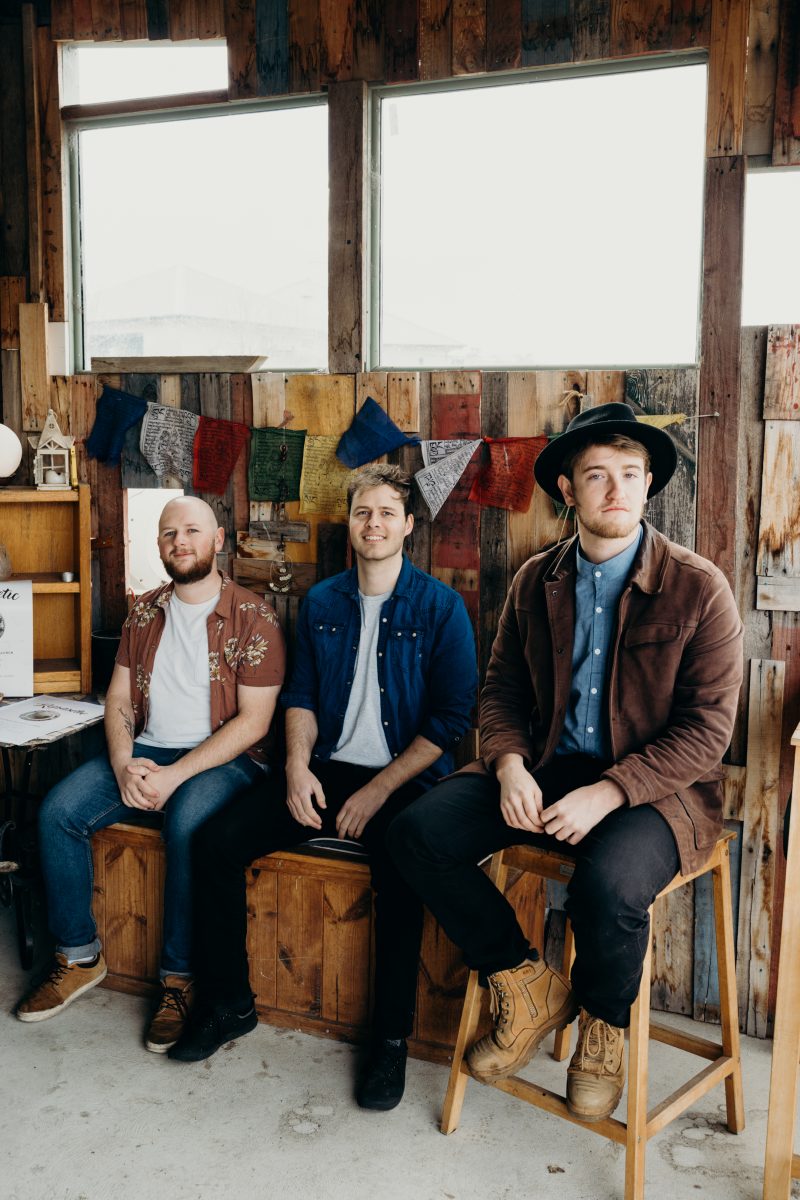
x,y
336,40
183,20
133,19
13,160
304,67
215,401
347,927
262,934
691,24
726,76
401,41
13,289
638,26
52,215
157,20
402,400
759,844
494,543
591,32
30,63
106,21
503,34
469,36
785,645
435,39
300,943
718,437
786,134
368,49
240,38
272,48
672,934
779,527
705,984
762,75
242,411
546,32
374,384
33,364
210,19
782,374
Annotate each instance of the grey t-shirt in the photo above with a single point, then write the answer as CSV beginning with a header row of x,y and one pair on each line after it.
x,y
363,741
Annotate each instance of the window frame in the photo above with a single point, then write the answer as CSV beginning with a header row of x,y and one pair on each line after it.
x,y
138,113
529,75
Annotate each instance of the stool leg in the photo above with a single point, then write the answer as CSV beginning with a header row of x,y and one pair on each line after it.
x,y
457,1083
638,1048
728,1002
563,1041
470,1016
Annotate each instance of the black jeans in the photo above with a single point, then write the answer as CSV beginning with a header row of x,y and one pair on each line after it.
x,y
620,866
258,822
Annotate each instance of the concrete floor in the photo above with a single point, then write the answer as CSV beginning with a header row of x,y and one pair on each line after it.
x,y
88,1114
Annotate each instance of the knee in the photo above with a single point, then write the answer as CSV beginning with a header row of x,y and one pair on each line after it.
x,y
607,893
59,810
414,837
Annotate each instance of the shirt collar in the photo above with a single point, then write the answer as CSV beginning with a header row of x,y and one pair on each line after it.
x,y
613,569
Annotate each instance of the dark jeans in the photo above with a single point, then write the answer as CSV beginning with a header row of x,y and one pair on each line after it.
x,y
258,822
620,866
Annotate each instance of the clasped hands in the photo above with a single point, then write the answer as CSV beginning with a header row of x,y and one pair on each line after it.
x,y
304,790
569,819
144,784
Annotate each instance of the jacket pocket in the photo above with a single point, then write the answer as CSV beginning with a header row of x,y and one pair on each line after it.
x,y
639,635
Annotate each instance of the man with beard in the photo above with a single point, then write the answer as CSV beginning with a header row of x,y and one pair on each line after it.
x,y
188,709
609,701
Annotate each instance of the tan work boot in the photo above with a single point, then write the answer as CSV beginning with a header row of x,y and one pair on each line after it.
x,y
527,1003
63,985
171,1015
596,1074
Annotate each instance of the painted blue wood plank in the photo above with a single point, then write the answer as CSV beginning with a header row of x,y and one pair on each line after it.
x,y
705,982
272,47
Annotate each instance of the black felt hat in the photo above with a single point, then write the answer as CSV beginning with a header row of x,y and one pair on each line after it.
x,y
600,422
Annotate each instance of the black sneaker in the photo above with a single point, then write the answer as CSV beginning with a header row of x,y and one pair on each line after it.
x,y
208,1029
385,1077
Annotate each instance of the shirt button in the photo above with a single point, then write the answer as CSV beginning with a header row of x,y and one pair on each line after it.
x,y
384,620
592,690
383,690
380,653
590,728
598,610
386,722
597,651
413,635
598,574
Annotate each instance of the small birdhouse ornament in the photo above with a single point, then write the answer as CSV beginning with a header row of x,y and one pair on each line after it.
x,y
51,470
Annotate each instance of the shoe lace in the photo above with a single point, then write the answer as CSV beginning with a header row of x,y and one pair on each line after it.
x,y
57,973
388,1064
498,1003
176,1000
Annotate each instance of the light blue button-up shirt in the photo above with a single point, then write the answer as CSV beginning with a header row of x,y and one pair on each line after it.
x,y
598,587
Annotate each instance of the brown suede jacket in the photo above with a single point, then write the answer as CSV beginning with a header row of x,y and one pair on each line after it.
x,y
673,681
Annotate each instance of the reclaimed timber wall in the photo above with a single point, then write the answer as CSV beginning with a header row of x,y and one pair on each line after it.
x,y
735,496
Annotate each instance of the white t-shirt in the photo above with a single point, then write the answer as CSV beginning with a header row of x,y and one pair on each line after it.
x,y
179,708
363,741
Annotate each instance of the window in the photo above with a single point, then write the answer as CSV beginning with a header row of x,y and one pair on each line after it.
x,y
550,221
771,284
202,231
93,73
144,507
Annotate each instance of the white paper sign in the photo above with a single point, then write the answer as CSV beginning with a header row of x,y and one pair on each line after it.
x,y
437,481
45,717
16,637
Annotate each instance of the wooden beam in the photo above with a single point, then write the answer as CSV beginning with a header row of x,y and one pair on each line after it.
x,y
347,260
52,188
786,140
12,293
762,74
726,77
121,108
720,362
34,153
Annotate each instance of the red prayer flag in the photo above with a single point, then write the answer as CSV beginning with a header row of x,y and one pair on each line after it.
x,y
505,478
217,445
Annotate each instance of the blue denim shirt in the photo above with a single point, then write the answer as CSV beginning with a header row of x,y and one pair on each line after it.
x,y
598,587
427,669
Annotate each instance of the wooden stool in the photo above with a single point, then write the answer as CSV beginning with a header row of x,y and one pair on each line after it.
x,y
725,1062
781,1166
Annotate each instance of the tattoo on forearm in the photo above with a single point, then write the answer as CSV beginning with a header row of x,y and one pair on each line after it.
x,y
127,722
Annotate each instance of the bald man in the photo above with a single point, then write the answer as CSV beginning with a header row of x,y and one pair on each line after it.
x,y
188,710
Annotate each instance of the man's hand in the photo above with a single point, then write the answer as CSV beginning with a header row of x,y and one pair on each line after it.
x,y
358,808
302,790
574,815
520,795
133,781
159,782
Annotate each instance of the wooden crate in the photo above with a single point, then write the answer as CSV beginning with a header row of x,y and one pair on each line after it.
x,y
310,940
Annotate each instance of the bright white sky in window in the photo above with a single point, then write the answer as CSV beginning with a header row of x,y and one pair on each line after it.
x,y
556,223
104,72
213,231
771,291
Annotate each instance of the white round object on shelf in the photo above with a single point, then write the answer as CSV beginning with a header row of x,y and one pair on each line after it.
x,y
10,452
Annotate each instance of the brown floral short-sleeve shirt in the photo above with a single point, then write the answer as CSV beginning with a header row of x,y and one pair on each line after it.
x,y
245,645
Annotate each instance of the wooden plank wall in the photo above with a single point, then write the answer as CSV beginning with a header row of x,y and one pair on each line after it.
x,y
727,501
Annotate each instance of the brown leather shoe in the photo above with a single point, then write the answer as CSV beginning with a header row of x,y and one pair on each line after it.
x,y
596,1074
171,1015
63,985
528,1002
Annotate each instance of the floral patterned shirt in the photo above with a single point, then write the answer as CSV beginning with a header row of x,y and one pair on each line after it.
x,y
245,645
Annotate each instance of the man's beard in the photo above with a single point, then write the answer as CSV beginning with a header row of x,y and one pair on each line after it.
x,y
201,568
608,527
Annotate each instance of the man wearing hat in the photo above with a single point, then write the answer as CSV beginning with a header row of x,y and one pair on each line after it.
x,y
608,704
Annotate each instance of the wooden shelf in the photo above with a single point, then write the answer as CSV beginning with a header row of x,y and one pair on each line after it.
x,y
56,675
47,581
12,495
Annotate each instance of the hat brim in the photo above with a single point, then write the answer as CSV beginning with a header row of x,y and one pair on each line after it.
x,y
659,445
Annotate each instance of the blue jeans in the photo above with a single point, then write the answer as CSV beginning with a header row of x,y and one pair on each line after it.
x,y
88,800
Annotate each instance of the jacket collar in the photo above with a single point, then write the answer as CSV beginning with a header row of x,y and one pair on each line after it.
x,y
649,566
347,582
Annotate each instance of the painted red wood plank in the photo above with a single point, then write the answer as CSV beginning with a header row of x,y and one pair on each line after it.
x,y
455,534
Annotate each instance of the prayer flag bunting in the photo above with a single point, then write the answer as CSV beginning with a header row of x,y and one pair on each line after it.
x,y
323,485
505,478
435,449
167,440
276,461
370,435
116,412
437,481
217,446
